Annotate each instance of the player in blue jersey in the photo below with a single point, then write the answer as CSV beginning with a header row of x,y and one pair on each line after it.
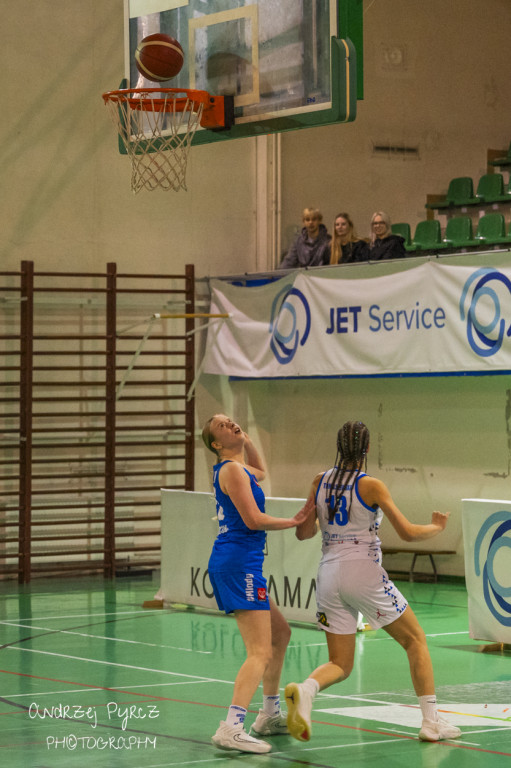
x,y
349,506
236,574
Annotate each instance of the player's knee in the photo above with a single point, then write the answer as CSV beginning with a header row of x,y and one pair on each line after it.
x,y
345,666
263,655
415,641
281,639
347,670
420,644
280,636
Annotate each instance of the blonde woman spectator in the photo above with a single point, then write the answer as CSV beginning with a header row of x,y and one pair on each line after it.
x,y
346,246
384,244
311,247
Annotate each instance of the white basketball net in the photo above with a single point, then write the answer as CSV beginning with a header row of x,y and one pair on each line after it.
x,y
157,137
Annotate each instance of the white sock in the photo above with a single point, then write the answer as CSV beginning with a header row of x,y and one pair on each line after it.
x,y
271,705
236,716
429,707
311,685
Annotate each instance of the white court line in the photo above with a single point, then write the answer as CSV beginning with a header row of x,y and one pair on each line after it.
x,y
445,634
468,743
381,637
272,754
49,693
192,762
101,637
371,701
355,744
92,615
353,697
202,678
164,685
110,688
413,731
488,730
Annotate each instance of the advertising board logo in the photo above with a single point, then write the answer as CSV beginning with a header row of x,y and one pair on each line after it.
x,y
290,323
491,564
484,300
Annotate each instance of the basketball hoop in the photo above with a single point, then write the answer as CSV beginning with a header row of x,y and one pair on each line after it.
x,y
157,126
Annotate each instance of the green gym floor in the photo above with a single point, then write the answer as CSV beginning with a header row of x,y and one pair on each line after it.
x,y
91,678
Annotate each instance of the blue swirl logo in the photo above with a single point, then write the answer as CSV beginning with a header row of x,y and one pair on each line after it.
x,y
495,529
485,326
290,323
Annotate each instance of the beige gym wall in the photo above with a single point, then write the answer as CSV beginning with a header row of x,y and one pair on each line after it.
x,y
437,78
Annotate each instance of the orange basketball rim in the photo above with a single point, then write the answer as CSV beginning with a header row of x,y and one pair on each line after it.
x,y
157,125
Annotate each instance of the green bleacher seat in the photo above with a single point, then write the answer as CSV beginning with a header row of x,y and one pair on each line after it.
x,y
491,229
458,233
460,192
504,160
490,188
427,236
403,229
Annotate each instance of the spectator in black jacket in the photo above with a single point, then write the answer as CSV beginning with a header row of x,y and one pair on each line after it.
x,y
384,244
347,247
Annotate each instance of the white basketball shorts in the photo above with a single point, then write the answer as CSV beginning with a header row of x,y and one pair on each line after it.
x,y
344,588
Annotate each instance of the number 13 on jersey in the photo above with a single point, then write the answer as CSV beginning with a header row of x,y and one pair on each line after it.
x,y
341,516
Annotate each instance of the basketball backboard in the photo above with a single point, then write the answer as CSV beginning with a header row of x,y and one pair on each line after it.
x,y
288,63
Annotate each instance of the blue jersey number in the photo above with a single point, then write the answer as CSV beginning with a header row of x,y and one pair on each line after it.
x,y
341,516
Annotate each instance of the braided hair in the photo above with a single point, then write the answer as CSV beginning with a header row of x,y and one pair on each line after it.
x,y
352,447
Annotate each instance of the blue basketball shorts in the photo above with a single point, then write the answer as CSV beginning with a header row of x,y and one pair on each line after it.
x,y
240,591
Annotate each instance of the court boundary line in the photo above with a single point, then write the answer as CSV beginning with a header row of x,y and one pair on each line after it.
x,y
116,664
397,737
99,637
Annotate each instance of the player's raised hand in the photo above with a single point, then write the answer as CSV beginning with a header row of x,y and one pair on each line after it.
x,y
440,519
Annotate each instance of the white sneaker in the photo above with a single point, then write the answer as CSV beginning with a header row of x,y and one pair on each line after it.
x,y
435,730
268,725
229,737
299,706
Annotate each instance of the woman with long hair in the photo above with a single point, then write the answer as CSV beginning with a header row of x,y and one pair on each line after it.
x,y
236,574
349,505
346,246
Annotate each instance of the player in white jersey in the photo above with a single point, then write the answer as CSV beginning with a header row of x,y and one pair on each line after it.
x,y
349,506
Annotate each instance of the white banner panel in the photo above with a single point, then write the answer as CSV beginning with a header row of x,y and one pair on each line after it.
x,y
290,566
433,318
487,539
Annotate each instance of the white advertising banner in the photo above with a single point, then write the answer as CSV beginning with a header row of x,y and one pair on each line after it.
x,y
189,527
487,541
433,318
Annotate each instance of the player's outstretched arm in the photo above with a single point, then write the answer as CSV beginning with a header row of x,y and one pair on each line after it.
x,y
373,491
236,484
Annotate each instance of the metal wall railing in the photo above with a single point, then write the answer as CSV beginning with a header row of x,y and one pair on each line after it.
x,y
96,415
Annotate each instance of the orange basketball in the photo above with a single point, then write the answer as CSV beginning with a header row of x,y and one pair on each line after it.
x,y
159,57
